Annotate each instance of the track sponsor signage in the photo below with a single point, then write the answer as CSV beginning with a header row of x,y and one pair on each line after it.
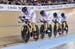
x,y
48,7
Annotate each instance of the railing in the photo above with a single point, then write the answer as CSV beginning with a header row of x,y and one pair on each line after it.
x,y
37,3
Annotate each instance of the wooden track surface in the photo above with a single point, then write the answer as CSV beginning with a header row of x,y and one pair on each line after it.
x,y
10,29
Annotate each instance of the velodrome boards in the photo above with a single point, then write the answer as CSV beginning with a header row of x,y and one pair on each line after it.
x,y
9,25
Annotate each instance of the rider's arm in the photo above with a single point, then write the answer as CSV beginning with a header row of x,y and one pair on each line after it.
x,y
66,18
50,19
59,20
33,17
22,18
41,19
54,20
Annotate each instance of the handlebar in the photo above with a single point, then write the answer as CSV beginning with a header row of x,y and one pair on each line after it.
x,y
22,18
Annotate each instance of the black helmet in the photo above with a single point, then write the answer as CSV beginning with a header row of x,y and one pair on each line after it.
x,y
55,14
24,9
62,14
42,12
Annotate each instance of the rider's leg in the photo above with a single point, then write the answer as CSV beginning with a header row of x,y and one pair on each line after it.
x,y
45,24
48,25
60,30
50,30
55,30
66,28
30,27
34,26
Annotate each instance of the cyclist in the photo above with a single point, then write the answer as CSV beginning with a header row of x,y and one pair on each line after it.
x,y
45,17
29,16
46,20
57,24
64,21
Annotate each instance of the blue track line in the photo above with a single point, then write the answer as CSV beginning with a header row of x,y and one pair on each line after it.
x,y
45,44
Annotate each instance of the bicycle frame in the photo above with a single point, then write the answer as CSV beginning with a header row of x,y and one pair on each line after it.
x,y
30,28
46,25
64,25
57,26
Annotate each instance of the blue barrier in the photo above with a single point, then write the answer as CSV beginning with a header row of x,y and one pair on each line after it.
x,y
45,44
